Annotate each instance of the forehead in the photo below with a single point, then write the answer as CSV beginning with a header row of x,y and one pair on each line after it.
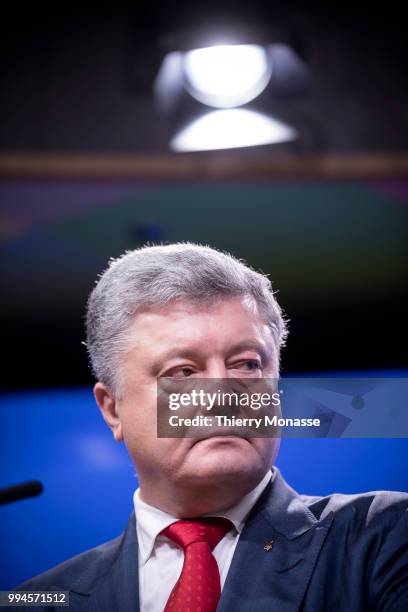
x,y
193,323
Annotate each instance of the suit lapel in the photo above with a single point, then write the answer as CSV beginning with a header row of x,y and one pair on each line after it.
x,y
276,553
117,587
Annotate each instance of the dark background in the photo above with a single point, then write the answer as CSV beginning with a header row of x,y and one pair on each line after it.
x,y
78,79
336,252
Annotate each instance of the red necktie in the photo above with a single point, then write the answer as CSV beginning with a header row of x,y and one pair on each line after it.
x,y
199,588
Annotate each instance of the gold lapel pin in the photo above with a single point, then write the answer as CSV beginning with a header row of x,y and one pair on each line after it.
x,y
268,545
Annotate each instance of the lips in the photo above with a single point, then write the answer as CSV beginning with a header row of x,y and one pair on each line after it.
x,y
226,432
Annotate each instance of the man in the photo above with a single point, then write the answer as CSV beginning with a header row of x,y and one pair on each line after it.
x,y
215,525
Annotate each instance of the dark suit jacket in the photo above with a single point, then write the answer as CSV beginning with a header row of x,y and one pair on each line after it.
x,y
342,553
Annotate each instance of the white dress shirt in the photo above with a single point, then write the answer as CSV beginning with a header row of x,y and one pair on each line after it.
x,y
161,560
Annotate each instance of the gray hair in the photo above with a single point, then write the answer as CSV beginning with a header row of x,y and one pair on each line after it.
x,y
159,275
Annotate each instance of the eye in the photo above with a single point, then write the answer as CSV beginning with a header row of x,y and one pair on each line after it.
x,y
181,372
187,371
251,365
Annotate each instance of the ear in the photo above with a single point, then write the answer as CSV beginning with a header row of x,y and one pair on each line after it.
x,y
108,407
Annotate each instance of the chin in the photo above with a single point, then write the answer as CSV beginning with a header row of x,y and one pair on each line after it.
x,y
223,458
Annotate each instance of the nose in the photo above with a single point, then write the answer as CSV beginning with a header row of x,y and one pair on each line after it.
x,y
216,368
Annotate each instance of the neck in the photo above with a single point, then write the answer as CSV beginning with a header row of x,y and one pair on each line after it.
x,y
195,500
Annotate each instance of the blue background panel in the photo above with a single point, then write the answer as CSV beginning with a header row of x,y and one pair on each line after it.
x,y
60,438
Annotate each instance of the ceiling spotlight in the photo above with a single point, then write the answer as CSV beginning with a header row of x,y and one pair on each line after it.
x,y
232,128
225,76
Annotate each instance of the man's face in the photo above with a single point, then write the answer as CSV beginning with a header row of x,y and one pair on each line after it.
x,y
181,341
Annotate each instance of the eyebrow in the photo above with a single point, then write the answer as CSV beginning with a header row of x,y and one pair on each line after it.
x,y
252,345
195,353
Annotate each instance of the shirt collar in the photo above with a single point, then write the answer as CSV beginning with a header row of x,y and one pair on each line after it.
x,y
150,521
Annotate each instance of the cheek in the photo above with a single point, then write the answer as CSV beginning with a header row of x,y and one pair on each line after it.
x,y
267,447
139,423
139,426
139,429
138,409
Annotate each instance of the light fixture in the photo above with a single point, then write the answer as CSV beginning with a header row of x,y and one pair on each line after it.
x,y
231,128
226,76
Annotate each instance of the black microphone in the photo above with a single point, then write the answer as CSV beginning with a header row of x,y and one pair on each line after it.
x,y
20,491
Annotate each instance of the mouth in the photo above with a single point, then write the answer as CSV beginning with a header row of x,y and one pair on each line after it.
x,y
222,436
